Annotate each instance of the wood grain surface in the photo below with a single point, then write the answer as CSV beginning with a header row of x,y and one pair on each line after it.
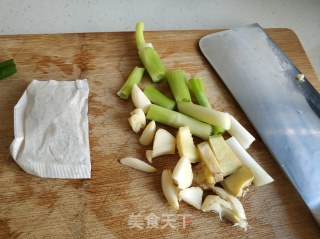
x,y
117,200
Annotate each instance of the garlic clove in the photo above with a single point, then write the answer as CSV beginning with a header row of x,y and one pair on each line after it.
x,y
137,120
139,99
149,155
182,174
137,164
163,143
186,145
169,190
192,196
148,133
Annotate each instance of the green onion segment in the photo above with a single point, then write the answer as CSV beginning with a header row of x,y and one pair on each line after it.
x,y
7,68
158,98
134,78
149,57
176,120
178,85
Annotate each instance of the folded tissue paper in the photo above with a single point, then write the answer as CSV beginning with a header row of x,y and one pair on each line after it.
x,y
51,137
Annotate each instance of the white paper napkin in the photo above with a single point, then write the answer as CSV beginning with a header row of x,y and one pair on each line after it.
x,y
51,130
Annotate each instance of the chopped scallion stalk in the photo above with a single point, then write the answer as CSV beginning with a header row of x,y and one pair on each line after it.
x,y
134,78
145,45
139,34
240,133
202,99
199,92
158,98
261,177
178,85
149,56
6,63
176,120
210,116
7,71
152,63
217,130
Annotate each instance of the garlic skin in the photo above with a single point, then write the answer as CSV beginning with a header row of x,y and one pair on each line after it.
x,y
215,203
169,190
137,164
234,202
223,208
145,45
182,174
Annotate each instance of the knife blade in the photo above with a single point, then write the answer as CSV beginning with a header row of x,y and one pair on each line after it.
x,y
284,111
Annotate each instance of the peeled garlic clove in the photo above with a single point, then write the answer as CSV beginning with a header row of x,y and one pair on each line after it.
x,y
185,145
137,164
238,183
148,133
139,99
135,123
169,190
192,196
182,174
137,111
137,120
163,143
149,155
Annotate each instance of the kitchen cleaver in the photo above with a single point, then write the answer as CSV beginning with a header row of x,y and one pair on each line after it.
x,y
284,110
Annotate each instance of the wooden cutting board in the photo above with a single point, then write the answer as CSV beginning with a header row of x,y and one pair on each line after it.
x,y
120,202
